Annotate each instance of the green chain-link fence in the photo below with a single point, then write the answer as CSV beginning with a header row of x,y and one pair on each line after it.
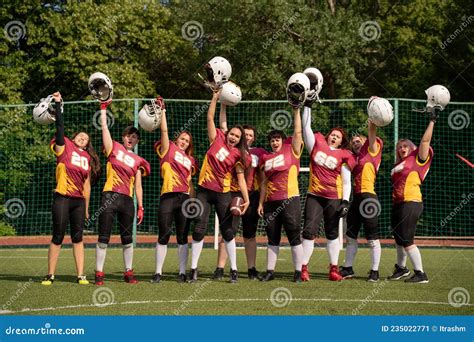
x,y
28,166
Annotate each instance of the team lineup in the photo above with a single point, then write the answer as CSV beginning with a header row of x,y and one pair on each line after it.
x,y
241,182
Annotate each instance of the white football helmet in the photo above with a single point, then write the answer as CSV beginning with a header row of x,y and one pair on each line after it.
x,y
149,117
218,70
316,83
44,112
297,89
380,111
100,86
230,94
437,96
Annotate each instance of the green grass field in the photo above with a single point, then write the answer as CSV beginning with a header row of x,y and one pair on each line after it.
x,y
446,268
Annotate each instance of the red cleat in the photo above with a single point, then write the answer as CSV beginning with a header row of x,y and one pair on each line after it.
x,y
304,273
334,274
129,277
99,278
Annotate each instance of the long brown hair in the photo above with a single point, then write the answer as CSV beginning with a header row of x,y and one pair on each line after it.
x,y
345,140
95,162
242,145
190,150
410,144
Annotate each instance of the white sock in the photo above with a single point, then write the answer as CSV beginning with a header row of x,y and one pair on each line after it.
x,y
375,253
308,247
297,253
232,253
196,249
415,257
333,247
401,256
161,251
128,256
183,257
100,253
272,256
351,251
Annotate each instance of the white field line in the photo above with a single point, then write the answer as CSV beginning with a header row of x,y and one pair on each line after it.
x,y
231,300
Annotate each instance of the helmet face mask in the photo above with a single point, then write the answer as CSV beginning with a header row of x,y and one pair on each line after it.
x,y
100,87
44,112
149,117
438,97
316,83
297,89
218,71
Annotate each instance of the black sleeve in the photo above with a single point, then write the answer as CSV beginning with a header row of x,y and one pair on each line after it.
x,y
59,125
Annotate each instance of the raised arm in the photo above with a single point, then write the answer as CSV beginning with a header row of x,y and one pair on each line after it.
x,y
308,134
424,148
372,137
297,134
106,138
59,141
165,140
223,118
211,126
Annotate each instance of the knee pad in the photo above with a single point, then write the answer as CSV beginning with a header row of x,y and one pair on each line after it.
x,y
332,235
351,241
57,239
103,239
102,245
406,244
307,235
197,236
77,237
127,246
228,235
182,240
127,239
294,238
163,240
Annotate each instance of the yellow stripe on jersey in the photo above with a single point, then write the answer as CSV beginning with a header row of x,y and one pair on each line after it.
x,y
170,178
112,178
412,192
314,184
132,183
65,185
206,174
226,182
367,179
293,189
376,152
339,186
270,190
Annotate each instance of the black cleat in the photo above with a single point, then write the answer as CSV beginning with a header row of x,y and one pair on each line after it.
x,y
267,276
373,276
399,273
234,275
252,273
218,274
193,275
156,278
419,277
297,277
182,278
346,272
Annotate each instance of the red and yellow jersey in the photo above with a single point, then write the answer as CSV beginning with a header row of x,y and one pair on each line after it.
x,y
407,176
216,171
367,167
325,168
176,168
72,169
281,171
122,166
256,154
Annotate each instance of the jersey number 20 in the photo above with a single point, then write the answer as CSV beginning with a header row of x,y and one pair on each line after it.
x,y
79,161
